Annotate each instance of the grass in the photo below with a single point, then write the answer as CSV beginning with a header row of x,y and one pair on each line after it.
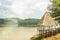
x,y
56,37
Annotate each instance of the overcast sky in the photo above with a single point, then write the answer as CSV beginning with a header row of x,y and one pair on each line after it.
x,y
24,8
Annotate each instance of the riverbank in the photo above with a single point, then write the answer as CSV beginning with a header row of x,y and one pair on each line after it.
x,y
36,37
56,37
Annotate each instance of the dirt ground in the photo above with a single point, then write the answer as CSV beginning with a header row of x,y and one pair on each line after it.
x,y
56,37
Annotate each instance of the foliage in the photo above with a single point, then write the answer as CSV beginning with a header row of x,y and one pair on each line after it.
x,y
1,21
23,22
37,38
28,22
54,9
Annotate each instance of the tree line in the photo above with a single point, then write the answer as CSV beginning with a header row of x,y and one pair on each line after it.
x,y
54,9
28,22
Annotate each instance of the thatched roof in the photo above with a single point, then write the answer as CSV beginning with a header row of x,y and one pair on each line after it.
x,y
47,20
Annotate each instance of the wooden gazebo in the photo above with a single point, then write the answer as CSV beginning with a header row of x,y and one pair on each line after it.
x,y
46,24
47,20
46,27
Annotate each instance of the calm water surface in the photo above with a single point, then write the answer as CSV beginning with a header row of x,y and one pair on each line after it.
x,y
21,33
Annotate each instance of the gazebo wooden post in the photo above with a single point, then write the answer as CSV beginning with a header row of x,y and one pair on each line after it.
x,y
47,20
38,29
56,30
49,31
52,31
43,31
39,32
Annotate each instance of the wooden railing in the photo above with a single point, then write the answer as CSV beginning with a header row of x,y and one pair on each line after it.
x,y
49,33
46,34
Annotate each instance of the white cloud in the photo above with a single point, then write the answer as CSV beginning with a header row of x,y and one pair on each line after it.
x,y
0,4
29,8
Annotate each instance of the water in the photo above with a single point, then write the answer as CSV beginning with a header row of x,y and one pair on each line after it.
x,y
21,33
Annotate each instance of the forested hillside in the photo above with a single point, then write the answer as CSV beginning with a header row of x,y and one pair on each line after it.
x,y
28,22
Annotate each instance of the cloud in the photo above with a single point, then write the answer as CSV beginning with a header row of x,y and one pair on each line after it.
x,y
5,10
29,8
23,8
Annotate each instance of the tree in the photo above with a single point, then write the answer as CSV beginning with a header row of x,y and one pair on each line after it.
x,y
29,22
2,21
54,9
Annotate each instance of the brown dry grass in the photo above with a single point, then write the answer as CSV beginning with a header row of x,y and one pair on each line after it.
x,y
56,37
